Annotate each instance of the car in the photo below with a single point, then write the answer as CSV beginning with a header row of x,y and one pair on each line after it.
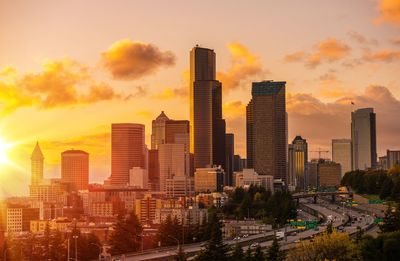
x,y
245,235
254,245
297,241
237,238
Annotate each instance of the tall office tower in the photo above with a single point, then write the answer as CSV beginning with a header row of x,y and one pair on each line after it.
x,y
75,169
249,134
206,123
153,170
37,165
363,136
218,127
158,130
171,157
266,126
341,153
127,150
297,159
393,158
229,162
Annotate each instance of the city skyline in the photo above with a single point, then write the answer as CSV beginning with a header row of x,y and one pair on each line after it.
x,y
327,60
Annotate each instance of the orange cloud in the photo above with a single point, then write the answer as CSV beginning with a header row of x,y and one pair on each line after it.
x,y
233,109
60,83
389,12
386,55
171,93
329,50
295,57
396,40
244,64
130,60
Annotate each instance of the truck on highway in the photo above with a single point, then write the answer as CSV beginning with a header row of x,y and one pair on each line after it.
x,y
280,234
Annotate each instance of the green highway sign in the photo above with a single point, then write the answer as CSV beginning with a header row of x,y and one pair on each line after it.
x,y
378,220
376,201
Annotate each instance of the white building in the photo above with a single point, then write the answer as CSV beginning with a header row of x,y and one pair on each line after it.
x,y
138,178
249,177
192,214
180,186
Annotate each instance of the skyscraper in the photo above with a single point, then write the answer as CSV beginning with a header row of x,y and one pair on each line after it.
x,y
158,130
171,157
127,150
298,157
266,129
37,165
229,162
75,169
363,136
154,170
341,153
206,123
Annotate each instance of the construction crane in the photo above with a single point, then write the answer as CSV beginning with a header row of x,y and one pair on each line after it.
x,y
319,152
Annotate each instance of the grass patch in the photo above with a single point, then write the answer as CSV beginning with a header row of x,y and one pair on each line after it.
x,y
370,196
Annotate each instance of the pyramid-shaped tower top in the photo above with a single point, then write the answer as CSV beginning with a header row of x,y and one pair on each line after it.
x,y
37,153
162,117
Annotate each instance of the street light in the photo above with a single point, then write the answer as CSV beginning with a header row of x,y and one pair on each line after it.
x,y
76,247
100,248
175,239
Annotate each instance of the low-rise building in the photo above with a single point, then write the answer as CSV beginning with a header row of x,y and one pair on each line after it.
x,y
209,179
190,215
248,177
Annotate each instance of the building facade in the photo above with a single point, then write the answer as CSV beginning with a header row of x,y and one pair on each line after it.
x,y
341,153
297,160
209,179
229,159
75,169
158,130
266,129
363,136
127,150
393,158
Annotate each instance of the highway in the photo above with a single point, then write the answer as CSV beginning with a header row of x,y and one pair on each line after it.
x,y
323,207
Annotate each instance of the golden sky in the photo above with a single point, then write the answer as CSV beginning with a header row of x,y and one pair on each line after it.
x,y
68,69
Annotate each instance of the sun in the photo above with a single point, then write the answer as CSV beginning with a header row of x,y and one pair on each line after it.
x,y
4,147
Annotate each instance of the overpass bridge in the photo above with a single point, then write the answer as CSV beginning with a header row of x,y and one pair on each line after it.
x,y
315,195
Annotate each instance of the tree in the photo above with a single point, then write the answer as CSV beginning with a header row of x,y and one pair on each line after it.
x,y
237,254
391,221
274,253
329,228
335,246
258,254
215,248
386,188
248,256
126,235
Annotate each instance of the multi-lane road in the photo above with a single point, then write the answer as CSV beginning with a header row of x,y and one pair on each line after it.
x,y
338,214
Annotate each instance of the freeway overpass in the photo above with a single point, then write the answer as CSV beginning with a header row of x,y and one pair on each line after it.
x,y
315,195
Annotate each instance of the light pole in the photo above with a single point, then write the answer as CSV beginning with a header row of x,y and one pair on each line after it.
x,y
100,248
76,247
175,239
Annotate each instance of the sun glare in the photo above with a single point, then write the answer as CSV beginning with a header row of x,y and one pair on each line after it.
x,y
4,147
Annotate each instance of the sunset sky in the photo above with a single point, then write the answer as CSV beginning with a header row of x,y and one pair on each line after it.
x,y
68,69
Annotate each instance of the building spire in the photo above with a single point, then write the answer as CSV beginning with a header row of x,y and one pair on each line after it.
x,y
37,153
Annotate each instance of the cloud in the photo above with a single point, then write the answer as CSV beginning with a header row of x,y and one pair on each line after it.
x,y
129,60
233,109
395,40
328,50
171,93
243,66
295,57
139,93
60,83
389,11
385,55
361,39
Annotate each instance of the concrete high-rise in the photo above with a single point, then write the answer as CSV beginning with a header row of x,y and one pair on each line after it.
x,y
158,130
266,129
297,159
363,136
229,162
75,169
37,159
341,153
207,128
172,160
127,150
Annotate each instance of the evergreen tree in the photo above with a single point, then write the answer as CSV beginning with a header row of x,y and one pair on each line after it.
x,y
274,253
258,254
215,248
126,235
248,256
237,254
391,221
